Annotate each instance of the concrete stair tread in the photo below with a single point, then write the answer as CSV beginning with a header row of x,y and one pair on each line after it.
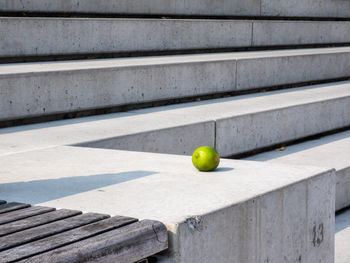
x,y
192,123
148,185
330,151
155,169
63,36
342,237
44,67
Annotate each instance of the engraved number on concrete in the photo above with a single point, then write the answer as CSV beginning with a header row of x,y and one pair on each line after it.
x,y
318,232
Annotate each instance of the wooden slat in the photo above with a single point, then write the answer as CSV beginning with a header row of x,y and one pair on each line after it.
x,y
125,245
24,213
46,230
2,202
12,207
34,221
65,238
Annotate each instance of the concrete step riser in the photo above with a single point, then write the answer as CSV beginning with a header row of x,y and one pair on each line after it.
x,y
30,90
308,8
247,133
329,151
178,140
314,8
233,125
342,199
239,134
46,36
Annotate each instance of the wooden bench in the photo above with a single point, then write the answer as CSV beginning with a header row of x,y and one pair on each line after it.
x,y
38,234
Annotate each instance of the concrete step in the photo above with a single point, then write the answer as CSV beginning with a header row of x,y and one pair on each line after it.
x,y
308,8
37,89
342,237
313,8
63,36
331,151
233,125
242,212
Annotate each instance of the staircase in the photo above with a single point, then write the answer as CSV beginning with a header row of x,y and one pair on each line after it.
x,y
245,77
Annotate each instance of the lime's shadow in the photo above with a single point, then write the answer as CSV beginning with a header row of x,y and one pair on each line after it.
x,y
223,169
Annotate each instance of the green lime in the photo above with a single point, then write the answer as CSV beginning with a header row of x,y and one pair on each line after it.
x,y
205,158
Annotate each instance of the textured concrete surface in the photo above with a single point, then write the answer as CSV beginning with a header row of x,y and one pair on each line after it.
x,y
144,132
234,125
331,151
219,7
336,8
313,8
52,36
33,89
243,212
297,66
342,237
266,33
36,89
47,36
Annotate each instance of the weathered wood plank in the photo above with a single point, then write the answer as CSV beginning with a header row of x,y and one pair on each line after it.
x,y
2,202
34,221
46,230
24,213
12,207
68,237
123,245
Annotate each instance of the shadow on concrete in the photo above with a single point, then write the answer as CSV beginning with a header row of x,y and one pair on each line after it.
x,y
342,220
40,191
61,123
223,169
89,119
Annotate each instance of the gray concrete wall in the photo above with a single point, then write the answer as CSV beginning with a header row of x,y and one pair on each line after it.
x,y
268,33
279,70
331,151
327,8
313,8
342,199
205,7
245,133
36,89
54,36
276,227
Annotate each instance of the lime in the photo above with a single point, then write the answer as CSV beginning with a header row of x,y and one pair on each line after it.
x,y
205,158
